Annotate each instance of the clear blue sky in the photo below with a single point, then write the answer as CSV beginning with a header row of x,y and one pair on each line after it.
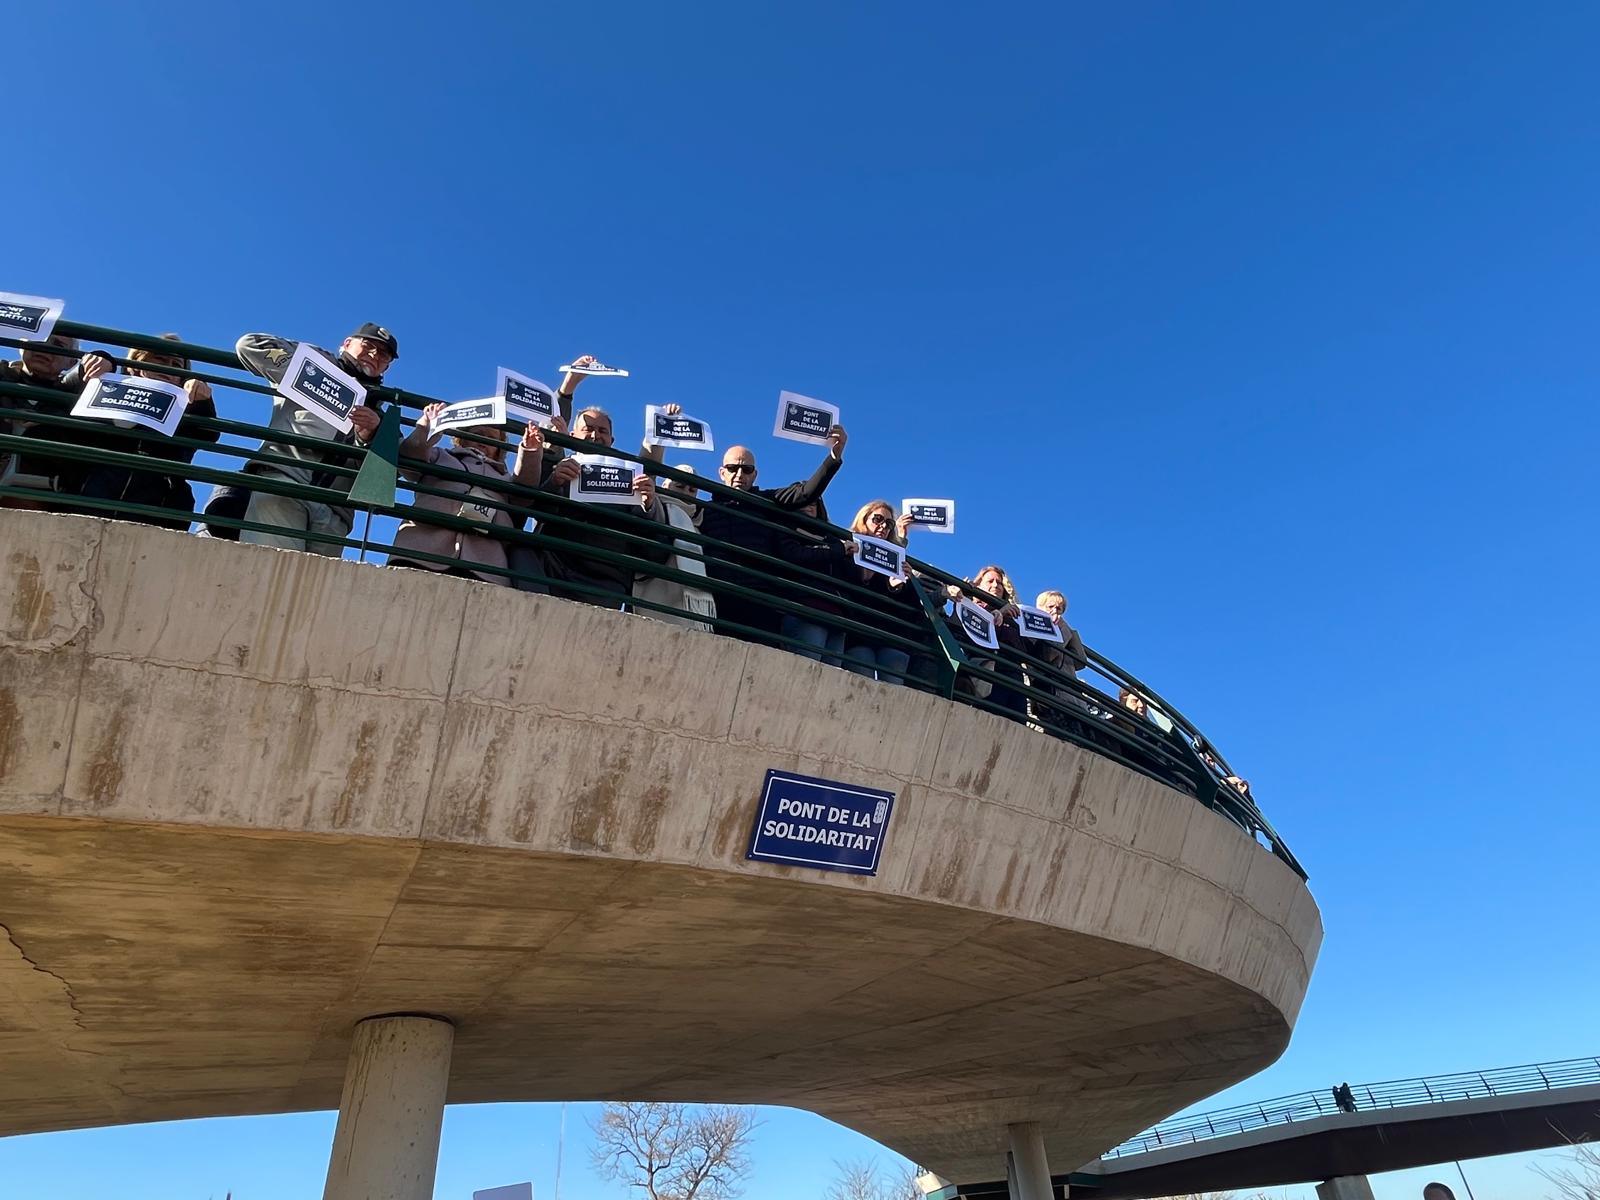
x,y
1266,332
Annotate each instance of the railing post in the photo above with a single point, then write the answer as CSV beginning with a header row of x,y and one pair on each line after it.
x,y
375,483
954,657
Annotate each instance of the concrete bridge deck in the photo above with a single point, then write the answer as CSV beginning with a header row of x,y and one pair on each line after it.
x,y
250,797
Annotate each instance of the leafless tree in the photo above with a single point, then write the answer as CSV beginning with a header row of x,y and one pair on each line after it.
x,y
674,1151
860,1179
1577,1177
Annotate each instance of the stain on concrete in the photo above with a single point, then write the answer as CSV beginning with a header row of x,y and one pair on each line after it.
x,y
11,743
980,785
647,826
358,775
594,814
1004,898
105,763
33,605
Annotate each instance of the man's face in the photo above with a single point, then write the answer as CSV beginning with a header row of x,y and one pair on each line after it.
x,y
372,357
739,469
42,363
592,427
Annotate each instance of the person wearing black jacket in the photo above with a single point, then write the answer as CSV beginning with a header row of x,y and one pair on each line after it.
x,y
575,575
893,602
821,562
156,488
729,519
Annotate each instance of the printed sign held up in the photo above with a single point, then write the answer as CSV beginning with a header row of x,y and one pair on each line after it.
x,y
319,387
29,317
527,400
603,480
802,419
810,822
684,432
977,624
593,368
1039,625
936,516
877,554
464,413
153,403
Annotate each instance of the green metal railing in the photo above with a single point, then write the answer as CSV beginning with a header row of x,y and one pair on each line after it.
x,y
374,480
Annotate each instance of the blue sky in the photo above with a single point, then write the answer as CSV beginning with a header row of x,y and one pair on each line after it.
x,y
1264,332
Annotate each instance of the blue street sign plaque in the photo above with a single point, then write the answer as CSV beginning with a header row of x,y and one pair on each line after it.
x,y
808,822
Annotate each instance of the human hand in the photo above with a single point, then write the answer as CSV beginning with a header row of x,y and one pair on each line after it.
x,y
902,526
430,414
565,472
1012,611
365,421
671,410
644,487
532,439
952,591
571,380
558,424
198,389
837,437
93,365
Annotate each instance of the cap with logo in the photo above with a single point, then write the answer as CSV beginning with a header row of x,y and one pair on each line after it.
x,y
377,333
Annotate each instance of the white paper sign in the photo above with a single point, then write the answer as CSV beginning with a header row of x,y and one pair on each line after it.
x,y
802,419
936,516
603,480
1039,625
153,403
464,413
977,624
527,400
29,317
594,368
880,555
319,387
684,432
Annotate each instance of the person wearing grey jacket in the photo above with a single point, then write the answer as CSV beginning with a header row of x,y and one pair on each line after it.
x,y
483,501
365,354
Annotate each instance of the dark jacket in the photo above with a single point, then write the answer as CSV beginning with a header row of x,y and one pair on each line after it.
x,y
16,413
726,518
603,527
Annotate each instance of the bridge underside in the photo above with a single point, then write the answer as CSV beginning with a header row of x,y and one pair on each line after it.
x,y
163,972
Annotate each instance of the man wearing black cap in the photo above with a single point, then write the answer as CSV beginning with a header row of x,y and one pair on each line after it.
x,y
366,354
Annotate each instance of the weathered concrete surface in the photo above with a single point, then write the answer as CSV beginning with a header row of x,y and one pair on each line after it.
x,y
249,797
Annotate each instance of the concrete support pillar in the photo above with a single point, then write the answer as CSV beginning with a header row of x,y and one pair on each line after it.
x,y
1345,1187
386,1145
1030,1171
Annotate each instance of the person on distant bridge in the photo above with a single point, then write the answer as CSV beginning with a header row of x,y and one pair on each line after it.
x,y
366,354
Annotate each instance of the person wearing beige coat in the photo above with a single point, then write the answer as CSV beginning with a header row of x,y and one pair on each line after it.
x,y
484,500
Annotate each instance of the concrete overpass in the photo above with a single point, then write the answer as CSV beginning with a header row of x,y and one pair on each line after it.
x,y
250,798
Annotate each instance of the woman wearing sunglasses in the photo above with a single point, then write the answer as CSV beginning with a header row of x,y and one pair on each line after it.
x,y
892,602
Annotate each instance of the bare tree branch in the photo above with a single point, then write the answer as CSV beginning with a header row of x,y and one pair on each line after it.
x,y
672,1151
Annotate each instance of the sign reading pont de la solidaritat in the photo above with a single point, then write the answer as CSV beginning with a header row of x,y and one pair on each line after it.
x,y
809,822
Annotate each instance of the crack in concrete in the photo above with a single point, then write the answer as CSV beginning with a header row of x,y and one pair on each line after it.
x,y
62,984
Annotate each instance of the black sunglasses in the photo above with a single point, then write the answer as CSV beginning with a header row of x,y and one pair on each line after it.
x,y
738,468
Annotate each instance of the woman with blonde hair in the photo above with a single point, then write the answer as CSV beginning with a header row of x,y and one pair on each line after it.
x,y
998,596
892,602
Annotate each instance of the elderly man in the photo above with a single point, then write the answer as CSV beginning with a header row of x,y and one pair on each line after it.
x,y
579,576
365,354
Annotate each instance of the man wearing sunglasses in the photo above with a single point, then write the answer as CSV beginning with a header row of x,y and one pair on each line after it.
x,y
728,519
